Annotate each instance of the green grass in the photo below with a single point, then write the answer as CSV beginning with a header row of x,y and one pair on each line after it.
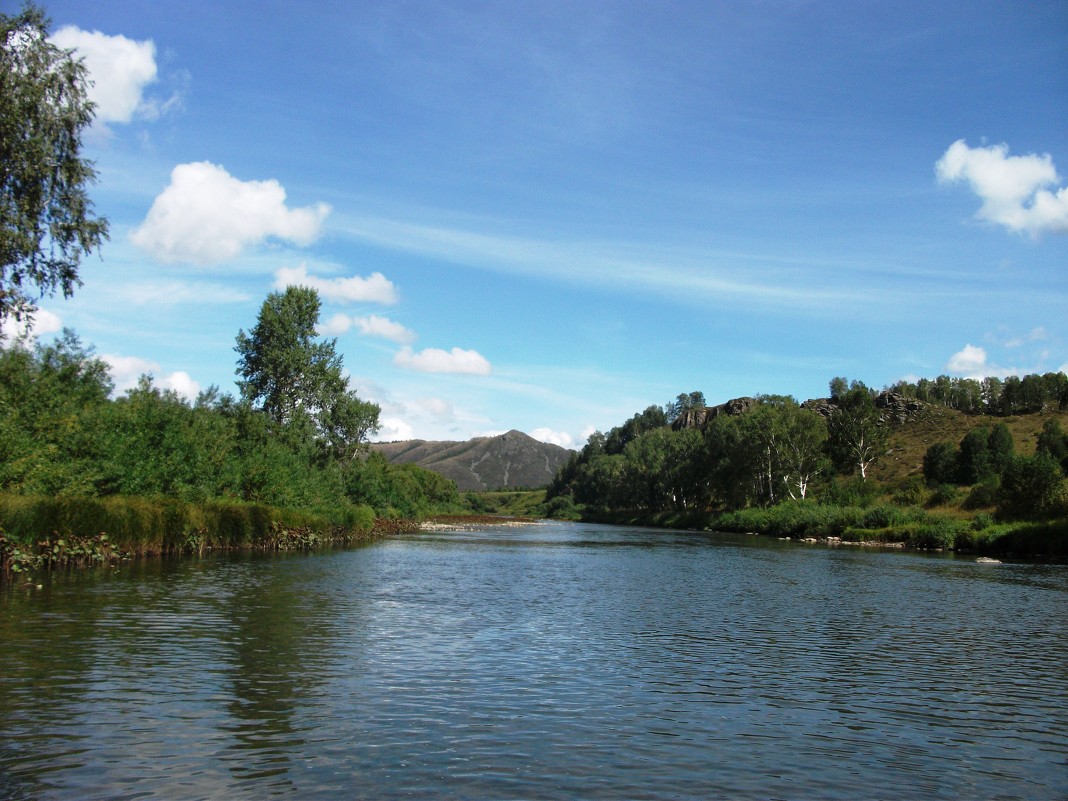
x,y
140,526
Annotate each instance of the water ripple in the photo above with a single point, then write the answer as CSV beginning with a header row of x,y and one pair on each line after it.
x,y
549,662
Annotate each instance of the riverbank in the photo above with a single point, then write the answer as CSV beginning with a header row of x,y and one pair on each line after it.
x,y
43,533
878,526
38,533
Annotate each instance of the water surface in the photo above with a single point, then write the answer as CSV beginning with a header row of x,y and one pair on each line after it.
x,y
553,661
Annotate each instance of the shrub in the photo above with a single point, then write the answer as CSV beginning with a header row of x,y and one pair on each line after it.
x,y
851,492
936,533
562,507
943,495
1030,486
983,495
913,492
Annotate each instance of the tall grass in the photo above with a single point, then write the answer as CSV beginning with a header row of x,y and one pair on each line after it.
x,y
163,525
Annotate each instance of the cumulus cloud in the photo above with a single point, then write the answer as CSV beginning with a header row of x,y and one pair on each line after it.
x,y
435,360
182,383
561,438
969,362
376,288
1014,190
119,70
43,322
206,216
393,429
335,326
126,371
384,328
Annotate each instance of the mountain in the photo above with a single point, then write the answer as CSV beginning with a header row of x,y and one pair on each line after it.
x,y
513,460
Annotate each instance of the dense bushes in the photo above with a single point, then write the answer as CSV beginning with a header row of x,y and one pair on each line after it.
x,y
62,436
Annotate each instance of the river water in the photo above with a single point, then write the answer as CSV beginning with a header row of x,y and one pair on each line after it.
x,y
551,661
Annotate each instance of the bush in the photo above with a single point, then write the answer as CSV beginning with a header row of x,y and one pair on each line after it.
x,y
913,492
1030,486
851,492
888,517
562,507
983,495
943,495
937,533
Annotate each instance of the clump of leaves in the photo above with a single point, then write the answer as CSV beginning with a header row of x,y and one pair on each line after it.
x,y
56,551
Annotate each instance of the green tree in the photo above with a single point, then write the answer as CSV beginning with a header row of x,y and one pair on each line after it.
x,y
296,380
1031,486
1053,441
1001,447
974,462
47,224
940,464
856,434
683,403
50,398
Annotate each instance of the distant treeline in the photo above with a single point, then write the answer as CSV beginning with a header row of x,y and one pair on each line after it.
x,y
777,451
994,396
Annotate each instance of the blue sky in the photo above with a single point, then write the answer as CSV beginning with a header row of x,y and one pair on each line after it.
x,y
548,216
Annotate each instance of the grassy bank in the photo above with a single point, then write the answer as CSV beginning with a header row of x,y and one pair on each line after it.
x,y
911,526
40,532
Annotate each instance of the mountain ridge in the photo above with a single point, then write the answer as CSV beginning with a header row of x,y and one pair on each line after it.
x,y
512,460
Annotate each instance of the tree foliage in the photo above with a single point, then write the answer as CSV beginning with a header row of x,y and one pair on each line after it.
x,y
61,434
295,378
47,224
856,434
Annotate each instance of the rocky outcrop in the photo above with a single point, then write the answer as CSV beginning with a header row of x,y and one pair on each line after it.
x,y
893,406
508,461
896,408
703,415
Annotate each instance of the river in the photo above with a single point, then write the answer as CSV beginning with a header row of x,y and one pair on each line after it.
x,y
550,661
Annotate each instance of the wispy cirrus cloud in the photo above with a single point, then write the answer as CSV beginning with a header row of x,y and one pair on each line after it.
x,y
692,274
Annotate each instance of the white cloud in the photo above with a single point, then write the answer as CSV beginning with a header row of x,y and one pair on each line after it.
x,y
376,288
207,216
969,362
561,438
126,371
119,70
181,383
335,326
1013,189
383,327
393,429
435,360
44,322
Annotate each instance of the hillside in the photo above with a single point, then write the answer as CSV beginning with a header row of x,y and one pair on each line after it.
x,y
513,460
909,441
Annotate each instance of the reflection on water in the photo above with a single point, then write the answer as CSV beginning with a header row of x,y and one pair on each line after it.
x,y
554,661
